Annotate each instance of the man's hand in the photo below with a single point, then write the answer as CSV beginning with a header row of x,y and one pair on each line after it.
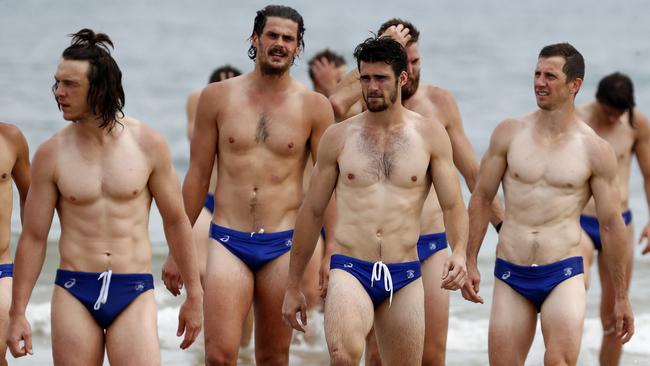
x,y
294,302
171,276
645,234
454,272
397,33
19,330
190,320
624,319
326,75
471,287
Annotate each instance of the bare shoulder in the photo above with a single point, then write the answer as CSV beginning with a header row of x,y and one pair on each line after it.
x,y
641,125
430,128
602,158
45,157
11,133
440,97
148,138
506,131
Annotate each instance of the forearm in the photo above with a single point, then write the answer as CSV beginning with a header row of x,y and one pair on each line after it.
x,y
305,237
479,215
30,255
195,188
181,247
346,94
646,188
456,225
616,251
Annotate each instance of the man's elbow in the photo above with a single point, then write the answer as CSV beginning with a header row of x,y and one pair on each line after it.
x,y
337,106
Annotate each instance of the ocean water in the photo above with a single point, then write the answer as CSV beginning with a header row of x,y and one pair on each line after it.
x,y
484,52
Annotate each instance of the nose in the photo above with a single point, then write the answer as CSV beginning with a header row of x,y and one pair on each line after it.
x,y
410,68
58,91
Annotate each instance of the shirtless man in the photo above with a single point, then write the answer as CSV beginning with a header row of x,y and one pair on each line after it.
x,y
381,163
14,163
550,164
439,105
613,117
261,126
100,173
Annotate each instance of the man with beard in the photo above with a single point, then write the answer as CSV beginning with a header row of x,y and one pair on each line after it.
x,y
440,106
381,163
14,163
261,127
550,163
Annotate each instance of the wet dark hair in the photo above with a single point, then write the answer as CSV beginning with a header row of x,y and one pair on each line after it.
x,y
330,56
382,49
617,91
279,11
413,32
105,95
223,70
574,65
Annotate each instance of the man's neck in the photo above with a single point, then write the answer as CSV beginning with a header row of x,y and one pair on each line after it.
x,y
558,120
388,117
270,82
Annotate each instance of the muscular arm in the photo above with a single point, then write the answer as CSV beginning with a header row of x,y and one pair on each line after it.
x,y
203,147
464,157
447,188
604,188
32,244
311,214
323,118
642,152
20,171
612,229
165,189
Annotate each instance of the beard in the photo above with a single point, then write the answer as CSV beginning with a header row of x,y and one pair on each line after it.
x,y
409,89
269,69
384,105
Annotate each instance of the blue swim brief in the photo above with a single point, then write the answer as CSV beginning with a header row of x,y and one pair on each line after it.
x,y
592,228
535,283
430,244
254,249
209,202
6,270
104,294
395,275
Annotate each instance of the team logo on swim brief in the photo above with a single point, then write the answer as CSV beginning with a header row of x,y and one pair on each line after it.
x,y
410,273
224,238
348,265
432,246
288,242
70,283
568,271
506,275
139,286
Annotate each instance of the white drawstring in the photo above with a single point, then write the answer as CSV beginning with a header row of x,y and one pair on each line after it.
x,y
377,270
103,292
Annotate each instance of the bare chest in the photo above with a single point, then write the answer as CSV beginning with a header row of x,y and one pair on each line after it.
x,y
115,174
282,129
395,158
559,165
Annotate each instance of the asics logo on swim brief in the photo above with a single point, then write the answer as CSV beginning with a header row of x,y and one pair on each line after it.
x,y
410,273
432,246
348,265
568,271
70,283
139,286
506,275
288,242
224,238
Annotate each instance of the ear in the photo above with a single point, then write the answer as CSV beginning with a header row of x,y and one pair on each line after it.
x,y
403,78
574,85
255,40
